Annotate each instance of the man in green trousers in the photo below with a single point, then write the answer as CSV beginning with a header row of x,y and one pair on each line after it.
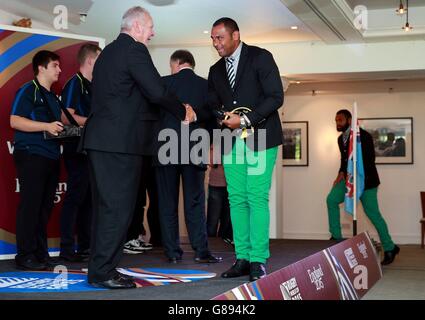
x,y
369,197
247,76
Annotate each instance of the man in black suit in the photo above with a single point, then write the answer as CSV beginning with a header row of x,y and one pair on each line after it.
x,y
193,90
247,76
119,130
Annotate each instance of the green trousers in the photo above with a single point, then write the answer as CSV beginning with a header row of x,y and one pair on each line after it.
x,y
249,175
369,201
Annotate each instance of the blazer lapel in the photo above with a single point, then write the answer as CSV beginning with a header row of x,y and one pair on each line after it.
x,y
241,65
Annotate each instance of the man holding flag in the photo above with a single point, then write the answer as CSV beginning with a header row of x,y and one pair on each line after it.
x,y
367,182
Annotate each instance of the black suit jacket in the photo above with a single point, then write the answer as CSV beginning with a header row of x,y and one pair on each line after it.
x,y
368,152
192,89
257,85
126,92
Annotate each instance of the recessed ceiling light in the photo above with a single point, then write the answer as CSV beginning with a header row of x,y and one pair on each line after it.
x,y
206,31
294,27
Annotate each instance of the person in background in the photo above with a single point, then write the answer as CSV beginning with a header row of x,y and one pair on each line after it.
x,y
76,209
218,210
369,197
192,89
136,236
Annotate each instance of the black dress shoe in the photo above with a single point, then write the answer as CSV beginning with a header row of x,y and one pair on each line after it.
x,y
337,240
73,257
239,268
30,265
84,253
389,256
257,271
126,277
50,262
175,260
208,259
117,282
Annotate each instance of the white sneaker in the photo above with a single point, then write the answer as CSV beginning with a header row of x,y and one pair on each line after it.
x,y
133,247
145,245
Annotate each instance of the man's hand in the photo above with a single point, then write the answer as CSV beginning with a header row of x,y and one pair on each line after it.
x,y
341,176
54,127
233,121
190,114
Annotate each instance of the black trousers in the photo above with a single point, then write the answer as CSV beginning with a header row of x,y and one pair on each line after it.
x,y
147,184
76,209
38,179
114,180
168,182
218,213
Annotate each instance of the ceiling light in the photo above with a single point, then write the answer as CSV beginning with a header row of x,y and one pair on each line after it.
x,y
401,9
83,16
298,82
206,31
294,27
407,27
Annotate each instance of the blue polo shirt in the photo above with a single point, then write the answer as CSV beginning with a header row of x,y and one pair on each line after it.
x,y
29,104
76,94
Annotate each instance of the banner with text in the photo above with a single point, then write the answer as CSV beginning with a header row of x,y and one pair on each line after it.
x,y
17,48
345,271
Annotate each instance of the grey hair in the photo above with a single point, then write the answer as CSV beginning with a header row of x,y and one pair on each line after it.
x,y
131,14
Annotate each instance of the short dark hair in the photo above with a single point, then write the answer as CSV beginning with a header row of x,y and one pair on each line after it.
x,y
183,56
43,58
345,112
229,24
87,50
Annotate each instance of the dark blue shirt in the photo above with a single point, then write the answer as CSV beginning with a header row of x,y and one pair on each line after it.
x,y
77,95
30,104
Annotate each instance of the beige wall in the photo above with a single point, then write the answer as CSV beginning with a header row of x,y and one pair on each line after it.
x,y
304,189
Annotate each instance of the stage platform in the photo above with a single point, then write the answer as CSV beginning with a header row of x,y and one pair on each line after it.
x,y
283,253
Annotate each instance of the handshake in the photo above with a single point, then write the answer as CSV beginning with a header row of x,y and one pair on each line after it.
x,y
190,114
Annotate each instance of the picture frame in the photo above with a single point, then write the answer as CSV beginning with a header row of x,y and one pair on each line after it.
x,y
392,137
295,143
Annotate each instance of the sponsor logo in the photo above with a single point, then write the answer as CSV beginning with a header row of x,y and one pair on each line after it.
x,y
43,282
290,290
316,277
351,258
363,249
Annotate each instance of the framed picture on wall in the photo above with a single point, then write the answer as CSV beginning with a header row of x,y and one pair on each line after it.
x,y
392,137
295,143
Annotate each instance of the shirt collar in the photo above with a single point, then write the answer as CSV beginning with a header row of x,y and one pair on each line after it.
x,y
346,135
185,68
235,55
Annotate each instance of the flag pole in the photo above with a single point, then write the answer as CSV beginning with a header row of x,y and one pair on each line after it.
x,y
354,131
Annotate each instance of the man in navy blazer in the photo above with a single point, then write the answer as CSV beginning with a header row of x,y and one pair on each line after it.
x,y
247,76
118,132
193,90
